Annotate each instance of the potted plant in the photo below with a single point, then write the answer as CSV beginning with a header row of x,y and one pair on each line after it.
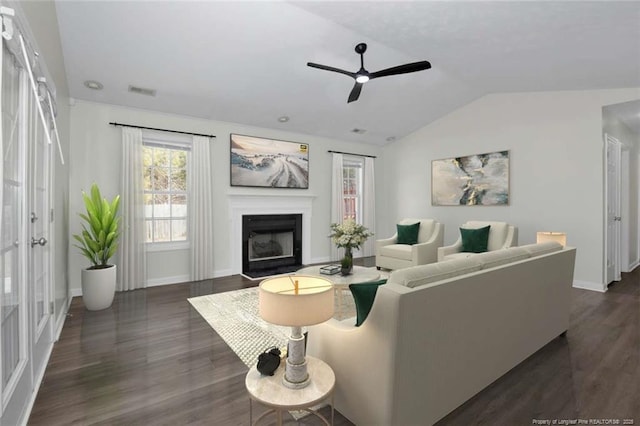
x,y
98,243
348,235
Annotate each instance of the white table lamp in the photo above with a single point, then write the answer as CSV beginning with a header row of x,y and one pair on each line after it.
x,y
559,237
296,301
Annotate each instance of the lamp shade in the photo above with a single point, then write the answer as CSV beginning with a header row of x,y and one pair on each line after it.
x,y
296,300
559,237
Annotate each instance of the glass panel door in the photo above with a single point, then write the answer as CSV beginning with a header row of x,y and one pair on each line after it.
x,y
15,372
39,264
25,289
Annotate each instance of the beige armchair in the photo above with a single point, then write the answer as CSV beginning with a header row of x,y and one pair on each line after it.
x,y
501,236
391,255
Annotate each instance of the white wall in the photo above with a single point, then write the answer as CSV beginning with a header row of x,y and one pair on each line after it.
x,y
630,197
556,169
95,157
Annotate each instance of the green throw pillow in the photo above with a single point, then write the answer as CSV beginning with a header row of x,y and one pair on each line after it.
x,y
408,234
475,240
364,294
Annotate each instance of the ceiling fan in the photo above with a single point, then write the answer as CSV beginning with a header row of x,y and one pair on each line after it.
x,y
362,75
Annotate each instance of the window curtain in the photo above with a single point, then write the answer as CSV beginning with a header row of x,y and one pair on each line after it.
x,y
369,206
132,268
337,200
200,190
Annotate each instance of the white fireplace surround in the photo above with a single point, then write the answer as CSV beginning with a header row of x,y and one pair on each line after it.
x,y
240,205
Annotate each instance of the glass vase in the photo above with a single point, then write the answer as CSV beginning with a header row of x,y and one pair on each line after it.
x,y
347,262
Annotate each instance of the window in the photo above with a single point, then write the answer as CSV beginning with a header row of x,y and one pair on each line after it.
x,y
165,192
352,189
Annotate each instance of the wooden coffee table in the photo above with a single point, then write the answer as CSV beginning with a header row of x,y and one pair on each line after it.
x,y
359,274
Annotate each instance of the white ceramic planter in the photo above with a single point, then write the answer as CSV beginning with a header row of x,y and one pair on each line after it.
x,y
98,287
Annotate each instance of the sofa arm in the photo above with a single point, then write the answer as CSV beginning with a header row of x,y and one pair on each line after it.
x,y
362,358
427,252
512,237
447,250
386,242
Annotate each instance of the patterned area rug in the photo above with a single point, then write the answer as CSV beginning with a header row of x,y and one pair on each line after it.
x,y
234,316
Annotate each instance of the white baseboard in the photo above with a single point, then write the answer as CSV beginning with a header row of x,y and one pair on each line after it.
x,y
588,285
634,265
60,323
38,382
168,280
222,273
76,292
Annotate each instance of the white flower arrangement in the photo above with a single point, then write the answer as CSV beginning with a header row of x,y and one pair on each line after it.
x,y
349,234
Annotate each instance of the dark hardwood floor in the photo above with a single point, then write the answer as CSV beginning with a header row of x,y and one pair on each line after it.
x,y
152,360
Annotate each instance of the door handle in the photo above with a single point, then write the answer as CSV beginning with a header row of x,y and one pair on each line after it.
x,y
42,241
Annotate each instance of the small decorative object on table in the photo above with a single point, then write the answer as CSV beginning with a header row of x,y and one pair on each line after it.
x,y
329,269
269,361
348,235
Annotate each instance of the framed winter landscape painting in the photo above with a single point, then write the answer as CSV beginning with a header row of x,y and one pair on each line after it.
x,y
268,163
474,180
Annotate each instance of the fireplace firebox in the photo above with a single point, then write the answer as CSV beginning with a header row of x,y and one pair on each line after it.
x,y
271,244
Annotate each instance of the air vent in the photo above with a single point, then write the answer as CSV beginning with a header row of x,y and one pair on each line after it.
x,y
142,91
358,131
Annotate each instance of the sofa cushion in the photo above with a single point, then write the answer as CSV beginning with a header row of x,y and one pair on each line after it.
x,y
398,251
427,228
497,235
408,234
495,258
364,294
542,248
475,240
458,255
425,274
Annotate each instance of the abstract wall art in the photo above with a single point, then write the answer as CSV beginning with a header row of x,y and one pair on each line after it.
x,y
474,180
268,163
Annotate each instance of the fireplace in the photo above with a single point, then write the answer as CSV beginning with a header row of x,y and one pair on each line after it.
x,y
271,243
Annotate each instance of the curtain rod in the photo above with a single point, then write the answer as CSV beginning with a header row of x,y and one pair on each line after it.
x,y
162,130
351,153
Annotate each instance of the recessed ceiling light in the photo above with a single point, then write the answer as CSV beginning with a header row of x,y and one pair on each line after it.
x,y
358,131
93,85
283,119
391,138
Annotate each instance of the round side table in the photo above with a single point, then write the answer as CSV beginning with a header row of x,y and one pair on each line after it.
x,y
269,391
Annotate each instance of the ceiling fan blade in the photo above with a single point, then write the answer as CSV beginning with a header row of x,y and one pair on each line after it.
x,y
355,92
328,68
401,69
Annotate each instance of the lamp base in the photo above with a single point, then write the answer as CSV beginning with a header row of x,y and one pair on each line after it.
x,y
295,372
296,376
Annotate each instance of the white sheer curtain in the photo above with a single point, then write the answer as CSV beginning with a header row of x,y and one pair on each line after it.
x,y
369,206
337,202
132,268
200,189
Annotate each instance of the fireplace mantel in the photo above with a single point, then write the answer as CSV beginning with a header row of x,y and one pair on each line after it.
x,y
245,204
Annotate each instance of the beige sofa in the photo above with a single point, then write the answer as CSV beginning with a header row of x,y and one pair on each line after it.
x,y
438,334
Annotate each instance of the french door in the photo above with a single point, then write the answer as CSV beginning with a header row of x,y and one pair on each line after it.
x,y
25,259
38,247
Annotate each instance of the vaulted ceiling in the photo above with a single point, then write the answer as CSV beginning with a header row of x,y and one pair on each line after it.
x,y
245,62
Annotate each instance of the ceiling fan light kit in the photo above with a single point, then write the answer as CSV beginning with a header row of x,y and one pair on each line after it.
x,y
362,75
